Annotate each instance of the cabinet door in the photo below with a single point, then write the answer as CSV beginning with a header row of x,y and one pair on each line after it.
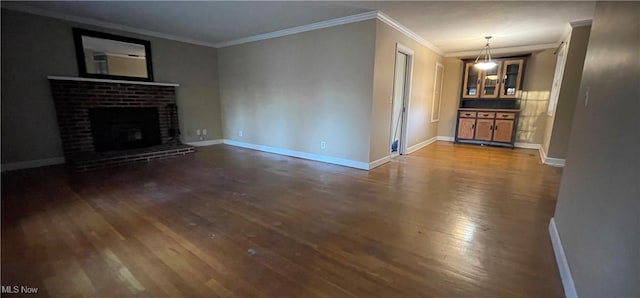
x,y
511,76
484,129
503,130
471,87
466,128
491,82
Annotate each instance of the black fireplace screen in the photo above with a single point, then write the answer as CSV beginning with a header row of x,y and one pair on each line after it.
x,y
124,128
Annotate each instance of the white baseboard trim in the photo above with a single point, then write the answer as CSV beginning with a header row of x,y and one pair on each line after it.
x,y
551,161
445,138
421,145
205,143
12,166
556,162
528,146
543,155
299,154
379,162
561,260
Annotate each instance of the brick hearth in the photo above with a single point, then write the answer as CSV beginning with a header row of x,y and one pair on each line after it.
x,y
74,98
99,160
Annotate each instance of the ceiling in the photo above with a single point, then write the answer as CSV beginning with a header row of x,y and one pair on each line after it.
x,y
451,26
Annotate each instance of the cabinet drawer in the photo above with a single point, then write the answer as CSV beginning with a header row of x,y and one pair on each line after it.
x,y
506,116
486,115
466,114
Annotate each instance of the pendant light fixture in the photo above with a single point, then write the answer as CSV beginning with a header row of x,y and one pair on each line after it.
x,y
486,63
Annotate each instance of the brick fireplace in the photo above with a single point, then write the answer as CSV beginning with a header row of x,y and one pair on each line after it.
x,y
107,122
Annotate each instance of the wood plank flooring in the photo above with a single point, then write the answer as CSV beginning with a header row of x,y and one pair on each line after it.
x,y
446,221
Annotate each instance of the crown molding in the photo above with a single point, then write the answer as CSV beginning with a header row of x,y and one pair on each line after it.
x,y
88,21
580,23
406,31
570,26
299,29
510,50
336,22
289,31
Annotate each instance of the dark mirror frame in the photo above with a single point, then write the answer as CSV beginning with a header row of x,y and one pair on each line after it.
x,y
78,33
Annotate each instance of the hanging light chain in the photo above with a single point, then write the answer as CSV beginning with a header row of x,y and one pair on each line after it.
x,y
488,47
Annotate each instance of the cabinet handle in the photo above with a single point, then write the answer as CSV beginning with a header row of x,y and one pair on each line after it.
x,y
496,127
486,115
473,126
491,128
505,116
468,114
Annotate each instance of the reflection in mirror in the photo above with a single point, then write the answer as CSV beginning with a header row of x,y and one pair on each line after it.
x,y
102,55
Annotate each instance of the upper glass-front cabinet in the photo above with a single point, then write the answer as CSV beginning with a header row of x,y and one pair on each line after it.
x,y
471,88
511,75
502,81
491,82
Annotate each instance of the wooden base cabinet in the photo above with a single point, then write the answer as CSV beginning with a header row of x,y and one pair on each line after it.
x,y
503,130
467,128
484,130
467,125
487,127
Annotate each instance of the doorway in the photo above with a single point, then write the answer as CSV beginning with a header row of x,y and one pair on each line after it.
x,y
400,99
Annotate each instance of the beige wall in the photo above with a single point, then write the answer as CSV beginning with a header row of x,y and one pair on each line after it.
x,y
419,125
295,91
34,47
599,199
125,66
559,125
453,71
536,88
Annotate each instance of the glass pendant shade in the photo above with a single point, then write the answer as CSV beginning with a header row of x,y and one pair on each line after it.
x,y
486,65
486,62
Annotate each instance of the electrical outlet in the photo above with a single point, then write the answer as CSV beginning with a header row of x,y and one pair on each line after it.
x,y
204,131
197,132
240,133
323,145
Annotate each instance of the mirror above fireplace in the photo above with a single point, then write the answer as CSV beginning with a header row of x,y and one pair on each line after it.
x,y
107,56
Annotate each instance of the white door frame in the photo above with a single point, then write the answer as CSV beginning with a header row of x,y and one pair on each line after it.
x,y
406,99
439,98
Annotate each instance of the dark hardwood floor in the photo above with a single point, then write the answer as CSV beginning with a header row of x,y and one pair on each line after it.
x,y
446,221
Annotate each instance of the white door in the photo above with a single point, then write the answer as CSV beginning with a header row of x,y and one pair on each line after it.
x,y
399,93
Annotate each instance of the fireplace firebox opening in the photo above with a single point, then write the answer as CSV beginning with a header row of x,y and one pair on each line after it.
x,y
124,128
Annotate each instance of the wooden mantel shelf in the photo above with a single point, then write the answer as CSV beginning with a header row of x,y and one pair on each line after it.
x,y
60,78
